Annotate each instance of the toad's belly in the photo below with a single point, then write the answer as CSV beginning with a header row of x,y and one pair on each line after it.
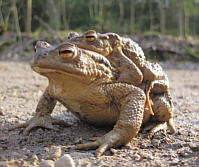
x,y
106,114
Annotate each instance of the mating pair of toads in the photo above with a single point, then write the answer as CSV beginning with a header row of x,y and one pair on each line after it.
x,y
103,79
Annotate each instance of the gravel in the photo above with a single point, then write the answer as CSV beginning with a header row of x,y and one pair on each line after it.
x,y
21,89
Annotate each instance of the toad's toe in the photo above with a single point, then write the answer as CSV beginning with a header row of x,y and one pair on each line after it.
x,y
39,121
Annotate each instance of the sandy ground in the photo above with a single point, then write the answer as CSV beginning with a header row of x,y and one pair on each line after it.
x,y
21,88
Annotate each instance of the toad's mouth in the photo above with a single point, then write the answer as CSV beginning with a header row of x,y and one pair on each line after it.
x,y
45,70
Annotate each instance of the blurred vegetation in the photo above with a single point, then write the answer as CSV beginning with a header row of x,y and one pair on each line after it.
x,y
148,18
175,17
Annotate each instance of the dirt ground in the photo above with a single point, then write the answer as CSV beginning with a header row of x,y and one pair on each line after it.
x,y
21,88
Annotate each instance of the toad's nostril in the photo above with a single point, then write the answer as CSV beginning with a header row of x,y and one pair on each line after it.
x,y
39,55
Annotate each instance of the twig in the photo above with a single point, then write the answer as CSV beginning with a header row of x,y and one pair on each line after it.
x,y
46,26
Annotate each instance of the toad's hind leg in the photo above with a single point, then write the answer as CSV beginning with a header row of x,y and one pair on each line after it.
x,y
163,113
132,101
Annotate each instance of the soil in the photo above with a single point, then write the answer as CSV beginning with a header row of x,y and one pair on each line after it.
x,y
21,88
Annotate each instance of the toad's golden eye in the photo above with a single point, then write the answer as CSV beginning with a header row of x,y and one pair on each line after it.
x,y
67,52
91,36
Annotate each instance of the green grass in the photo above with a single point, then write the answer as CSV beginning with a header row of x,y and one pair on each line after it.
x,y
193,54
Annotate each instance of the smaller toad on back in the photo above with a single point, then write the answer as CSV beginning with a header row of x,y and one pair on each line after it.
x,y
123,53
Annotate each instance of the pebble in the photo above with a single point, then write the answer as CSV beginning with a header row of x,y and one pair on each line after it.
x,y
1,111
194,147
64,161
25,157
156,143
55,152
145,145
46,149
35,159
150,157
113,151
184,152
177,145
174,161
137,157
78,140
47,163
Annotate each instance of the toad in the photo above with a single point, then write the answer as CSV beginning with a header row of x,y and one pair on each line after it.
x,y
84,82
124,53
128,58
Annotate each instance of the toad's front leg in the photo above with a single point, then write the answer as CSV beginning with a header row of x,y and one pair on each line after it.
x,y
132,101
42,116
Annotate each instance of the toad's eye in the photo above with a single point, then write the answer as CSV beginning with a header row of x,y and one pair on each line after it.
x,y
91,36
67,52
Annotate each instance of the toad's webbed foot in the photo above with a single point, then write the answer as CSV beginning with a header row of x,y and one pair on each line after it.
x,y
162,126
39,121
111,139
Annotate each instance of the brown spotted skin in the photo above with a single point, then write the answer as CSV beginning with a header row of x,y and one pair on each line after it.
x,y
128,58
110,45
130,53
131,64
88,84
46,104
128,71
130,102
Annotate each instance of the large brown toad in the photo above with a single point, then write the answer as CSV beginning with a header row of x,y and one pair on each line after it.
x,y
84,82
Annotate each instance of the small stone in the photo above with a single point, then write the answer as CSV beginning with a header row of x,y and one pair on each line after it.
x,y
40,93
150,157
64,161
127,147
3,138
155,143
47,163
1,112
55,152
25,157
194,147
145,145
177,145
35,159
137,157
28,152
46,149
174,161
40,131
113,151
78,140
